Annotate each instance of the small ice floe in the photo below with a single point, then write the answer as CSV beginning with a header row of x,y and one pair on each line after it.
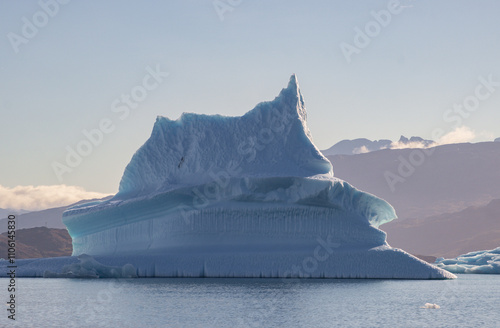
x,y
88,268
430,306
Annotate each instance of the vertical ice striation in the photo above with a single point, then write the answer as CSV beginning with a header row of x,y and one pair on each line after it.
x,y
247,196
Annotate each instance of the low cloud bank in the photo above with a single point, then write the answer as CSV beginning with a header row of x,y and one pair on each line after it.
x,y
34,198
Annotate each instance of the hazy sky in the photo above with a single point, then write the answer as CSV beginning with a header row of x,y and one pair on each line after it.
x,y
70,68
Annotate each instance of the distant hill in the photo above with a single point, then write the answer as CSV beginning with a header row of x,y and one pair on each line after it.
x,y
39,234
356,146
448,204
426,258
448,235
450,179
50,218
6,212
360,146
497,140
38,242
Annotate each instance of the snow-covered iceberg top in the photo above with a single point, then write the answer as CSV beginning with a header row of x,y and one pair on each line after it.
x,y
249,196
473,262
272,140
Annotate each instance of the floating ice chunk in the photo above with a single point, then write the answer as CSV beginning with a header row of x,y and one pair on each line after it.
x,y
88,267
487,262
430,306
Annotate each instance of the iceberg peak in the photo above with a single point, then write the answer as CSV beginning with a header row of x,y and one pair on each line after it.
x,y
270,140
292,92
293,83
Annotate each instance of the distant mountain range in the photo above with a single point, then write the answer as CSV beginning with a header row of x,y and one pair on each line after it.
x,y
448,235
426,182
497,140
446,197
6,212
39,233
360,146
50,218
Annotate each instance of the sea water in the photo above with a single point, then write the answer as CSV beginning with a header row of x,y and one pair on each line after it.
x,y
469,301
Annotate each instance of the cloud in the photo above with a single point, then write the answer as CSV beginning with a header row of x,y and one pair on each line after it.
x,y
33,198
459,135
360,150
411,145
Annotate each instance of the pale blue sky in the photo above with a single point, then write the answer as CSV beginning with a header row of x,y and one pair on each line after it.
x,y
66,77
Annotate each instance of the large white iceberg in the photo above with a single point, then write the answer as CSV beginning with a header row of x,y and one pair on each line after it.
x,y
473,262
249,196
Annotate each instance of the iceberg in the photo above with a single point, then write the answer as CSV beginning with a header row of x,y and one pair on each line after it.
x,y
487,262
249,196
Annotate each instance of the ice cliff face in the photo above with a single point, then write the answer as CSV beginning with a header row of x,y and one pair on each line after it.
x,y
246,196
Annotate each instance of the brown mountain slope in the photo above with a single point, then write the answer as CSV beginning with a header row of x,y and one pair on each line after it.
x,y
38,242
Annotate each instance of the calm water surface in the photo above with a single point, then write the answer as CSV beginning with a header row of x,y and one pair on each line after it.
x,y
470,301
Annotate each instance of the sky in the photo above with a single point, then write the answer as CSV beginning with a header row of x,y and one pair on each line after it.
x,y
82,82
